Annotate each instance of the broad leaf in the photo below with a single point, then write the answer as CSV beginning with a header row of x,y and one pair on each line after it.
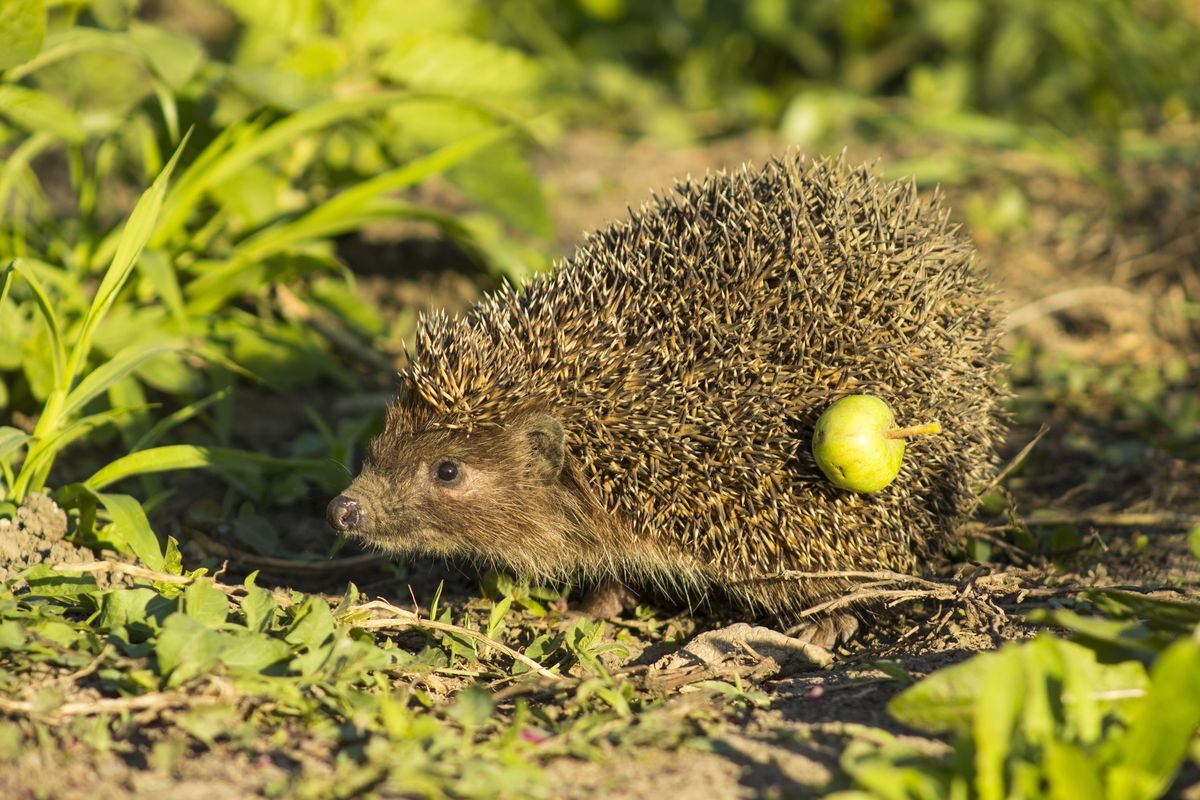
x,y
1163,728
22,29
38,112
249,653
205,603
186,648
461,66
173,56
11,440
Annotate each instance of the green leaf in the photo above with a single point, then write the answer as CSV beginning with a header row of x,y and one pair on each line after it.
x,y
160,273
314,624
146,462
178,417
38,112
12,636
1091,690
258,605
113,370
496,617
1071,773
186,648
129,325
67,44
11,440
22,29
461,66
60,633
205,603
472,707
49,318
185,456
1160,732
1041,665
1175,616
338,296
173,559
138,229
1110,638
228,155
44,450
276,86
45,582
133,528
343,212
251,653
6,282
501,180
173,56
943,701
139,605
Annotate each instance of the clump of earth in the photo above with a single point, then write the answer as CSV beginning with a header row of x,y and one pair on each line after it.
x,y
36,535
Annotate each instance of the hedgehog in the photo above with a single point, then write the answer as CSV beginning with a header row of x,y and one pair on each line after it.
x,y
642,415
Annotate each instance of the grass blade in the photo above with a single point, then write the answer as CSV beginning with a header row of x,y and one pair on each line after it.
x,y
6,281
134,237
16,174
186,456
69,43
220,280
134,528
57,351
341,212
168,422
120,365
44,449
220,167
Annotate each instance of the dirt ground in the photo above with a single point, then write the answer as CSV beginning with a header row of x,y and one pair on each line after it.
x,y
1101,285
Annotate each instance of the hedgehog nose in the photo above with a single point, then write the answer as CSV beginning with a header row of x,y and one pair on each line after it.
x,y
343,514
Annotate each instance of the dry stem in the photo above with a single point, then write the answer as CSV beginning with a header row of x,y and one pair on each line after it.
x,y
403,618
926,429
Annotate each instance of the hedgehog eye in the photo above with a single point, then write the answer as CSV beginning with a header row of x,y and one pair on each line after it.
x,y
447,471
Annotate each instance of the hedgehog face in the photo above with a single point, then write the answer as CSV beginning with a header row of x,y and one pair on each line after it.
x,y
488,495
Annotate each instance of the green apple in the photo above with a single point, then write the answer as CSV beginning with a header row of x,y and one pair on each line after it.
x,y
857,445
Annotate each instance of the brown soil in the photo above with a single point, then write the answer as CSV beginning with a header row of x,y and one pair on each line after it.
x,y
36,536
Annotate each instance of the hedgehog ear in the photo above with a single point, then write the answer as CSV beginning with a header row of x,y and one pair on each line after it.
x,y
548,443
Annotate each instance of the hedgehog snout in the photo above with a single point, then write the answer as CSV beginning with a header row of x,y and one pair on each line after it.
x,y
344,514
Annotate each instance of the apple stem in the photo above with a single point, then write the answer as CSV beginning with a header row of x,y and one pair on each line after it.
x,y
914,430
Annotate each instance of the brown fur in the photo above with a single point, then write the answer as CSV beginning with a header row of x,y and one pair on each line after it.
x,y
644,414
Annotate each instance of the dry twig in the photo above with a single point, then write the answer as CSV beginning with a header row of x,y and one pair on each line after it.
x,y
403,618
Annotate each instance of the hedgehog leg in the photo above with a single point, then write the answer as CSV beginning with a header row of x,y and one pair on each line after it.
x,y
607,600
827,632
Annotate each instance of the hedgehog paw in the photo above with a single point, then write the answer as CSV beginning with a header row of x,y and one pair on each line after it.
x,y
607,600
827,632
